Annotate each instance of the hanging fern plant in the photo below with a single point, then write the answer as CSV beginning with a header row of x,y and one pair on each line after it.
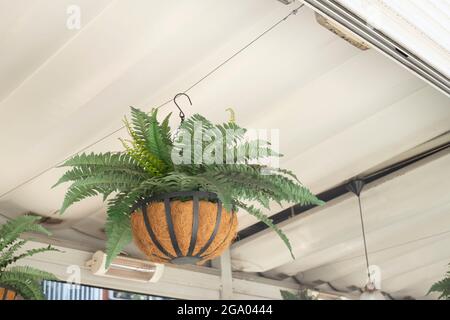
x,y
22,280
157,163
303,294
442,287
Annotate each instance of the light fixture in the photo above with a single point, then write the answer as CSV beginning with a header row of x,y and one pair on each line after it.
x,y
125,268
342,32
370,291
286,1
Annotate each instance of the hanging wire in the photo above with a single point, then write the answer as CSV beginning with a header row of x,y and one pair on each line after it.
x,y
364,238
293,12
356,186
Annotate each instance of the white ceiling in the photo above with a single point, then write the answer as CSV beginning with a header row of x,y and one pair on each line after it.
x,y
407,229
340,111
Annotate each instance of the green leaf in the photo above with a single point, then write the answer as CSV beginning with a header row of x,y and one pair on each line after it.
x,y
108,160
105,184
140,148
157,141
32,273
82,172
23,280
75,194
118,231
286,295
14,228
263,218
22,284
33,252
301,295
165,130
147,129
7,255
442,287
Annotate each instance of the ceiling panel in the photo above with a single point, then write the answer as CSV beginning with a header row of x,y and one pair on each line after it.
x,y
406,221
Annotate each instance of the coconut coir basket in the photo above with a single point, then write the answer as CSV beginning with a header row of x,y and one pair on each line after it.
x,y
6,294
183,227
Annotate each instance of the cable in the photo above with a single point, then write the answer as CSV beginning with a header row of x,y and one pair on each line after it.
x,y
364,237
293,12
398,245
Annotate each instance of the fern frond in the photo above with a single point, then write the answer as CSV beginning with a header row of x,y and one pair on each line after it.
x,y
285,172
165,130
33,252
108,181
101,184
301,295
157,142
87,171
22,284
147,129
108,160
286,295
253,150
123,203
194,123
10,231
23,280
7,254
138,147
266,220
32,273
118,231
442,287
75,194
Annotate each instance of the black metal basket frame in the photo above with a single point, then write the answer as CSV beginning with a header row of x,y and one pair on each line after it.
x,y
190,257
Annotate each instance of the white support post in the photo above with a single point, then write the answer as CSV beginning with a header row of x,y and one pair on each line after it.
x,y
226,275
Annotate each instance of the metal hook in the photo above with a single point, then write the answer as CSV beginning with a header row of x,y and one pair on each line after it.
x,y
182,116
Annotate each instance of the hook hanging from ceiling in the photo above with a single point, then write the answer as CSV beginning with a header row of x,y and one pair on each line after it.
x,y
182,115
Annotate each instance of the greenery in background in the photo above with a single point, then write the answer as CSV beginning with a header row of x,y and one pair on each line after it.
x,y
301,295
146,168
442,287
24,280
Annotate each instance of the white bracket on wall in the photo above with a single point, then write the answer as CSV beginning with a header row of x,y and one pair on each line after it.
x,y
226,275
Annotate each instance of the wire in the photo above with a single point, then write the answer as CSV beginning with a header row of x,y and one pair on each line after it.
x,y
398,245
364,237
293,12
